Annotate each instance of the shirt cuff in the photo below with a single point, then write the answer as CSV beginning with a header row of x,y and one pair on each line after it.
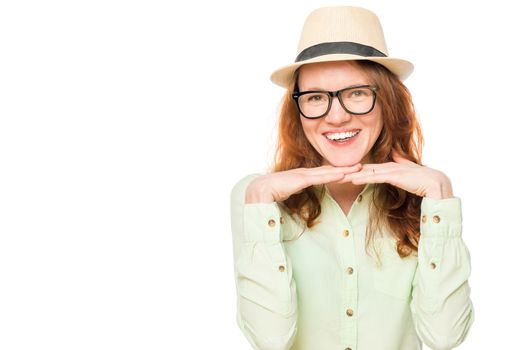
x,y
262,222
441,217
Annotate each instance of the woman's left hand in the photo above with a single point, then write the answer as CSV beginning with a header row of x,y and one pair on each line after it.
x,y
405,174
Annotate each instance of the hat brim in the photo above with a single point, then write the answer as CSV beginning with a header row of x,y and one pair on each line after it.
x,y
401,68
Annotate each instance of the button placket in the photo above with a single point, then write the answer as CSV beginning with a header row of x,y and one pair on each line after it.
x,y
346,252
349,284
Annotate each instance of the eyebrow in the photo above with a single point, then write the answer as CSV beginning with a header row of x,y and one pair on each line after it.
x,y
347,87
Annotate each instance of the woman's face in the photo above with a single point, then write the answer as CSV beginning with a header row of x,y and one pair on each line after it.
x,y
332,76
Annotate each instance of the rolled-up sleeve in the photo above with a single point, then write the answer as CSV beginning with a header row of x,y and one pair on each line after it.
x,y
266,292
441,305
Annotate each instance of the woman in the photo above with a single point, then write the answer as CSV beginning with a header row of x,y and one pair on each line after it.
x,y
349,242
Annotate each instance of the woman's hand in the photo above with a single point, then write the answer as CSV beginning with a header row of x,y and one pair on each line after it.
x,y
276,187
403,173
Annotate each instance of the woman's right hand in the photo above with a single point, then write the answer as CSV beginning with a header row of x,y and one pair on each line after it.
x,y
276,187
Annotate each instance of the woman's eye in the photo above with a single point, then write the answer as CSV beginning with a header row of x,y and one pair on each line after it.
x,y
358,94
316,98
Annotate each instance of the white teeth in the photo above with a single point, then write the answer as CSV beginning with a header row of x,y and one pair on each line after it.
x,y
341,135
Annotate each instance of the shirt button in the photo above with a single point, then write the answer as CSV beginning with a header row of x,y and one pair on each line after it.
x,y
345,233
349,312
359,199
349,270
281,220
281,268
271,223
436,219
347,349
433,265
424,219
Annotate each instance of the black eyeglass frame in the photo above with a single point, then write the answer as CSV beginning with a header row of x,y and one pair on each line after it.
x,y
295,95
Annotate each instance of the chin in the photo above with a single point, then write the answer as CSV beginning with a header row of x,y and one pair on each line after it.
x,y
343,161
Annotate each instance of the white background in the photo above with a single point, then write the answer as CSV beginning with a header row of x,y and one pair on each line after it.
x,y
125,124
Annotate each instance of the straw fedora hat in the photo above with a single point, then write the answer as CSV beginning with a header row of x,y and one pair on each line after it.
x,y
342,33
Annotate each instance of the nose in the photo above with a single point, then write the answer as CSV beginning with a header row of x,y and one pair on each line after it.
x,y
337,114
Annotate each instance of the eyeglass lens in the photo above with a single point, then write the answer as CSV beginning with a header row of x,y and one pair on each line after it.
x,y
355,100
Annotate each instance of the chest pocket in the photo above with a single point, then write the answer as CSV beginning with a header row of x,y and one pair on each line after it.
x,y
394,276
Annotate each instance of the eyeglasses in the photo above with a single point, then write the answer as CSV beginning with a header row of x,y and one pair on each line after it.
x,y
354,99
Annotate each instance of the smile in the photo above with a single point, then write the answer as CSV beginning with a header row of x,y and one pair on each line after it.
x,y
342,136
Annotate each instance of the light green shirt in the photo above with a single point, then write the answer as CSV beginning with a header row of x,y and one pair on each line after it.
x,y
318,289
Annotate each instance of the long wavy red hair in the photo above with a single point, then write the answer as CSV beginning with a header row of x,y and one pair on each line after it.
x,y
392,208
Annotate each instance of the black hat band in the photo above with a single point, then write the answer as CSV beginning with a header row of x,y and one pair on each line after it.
x,y
338,47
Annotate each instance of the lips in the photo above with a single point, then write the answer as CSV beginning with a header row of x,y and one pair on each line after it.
x,y
341,135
